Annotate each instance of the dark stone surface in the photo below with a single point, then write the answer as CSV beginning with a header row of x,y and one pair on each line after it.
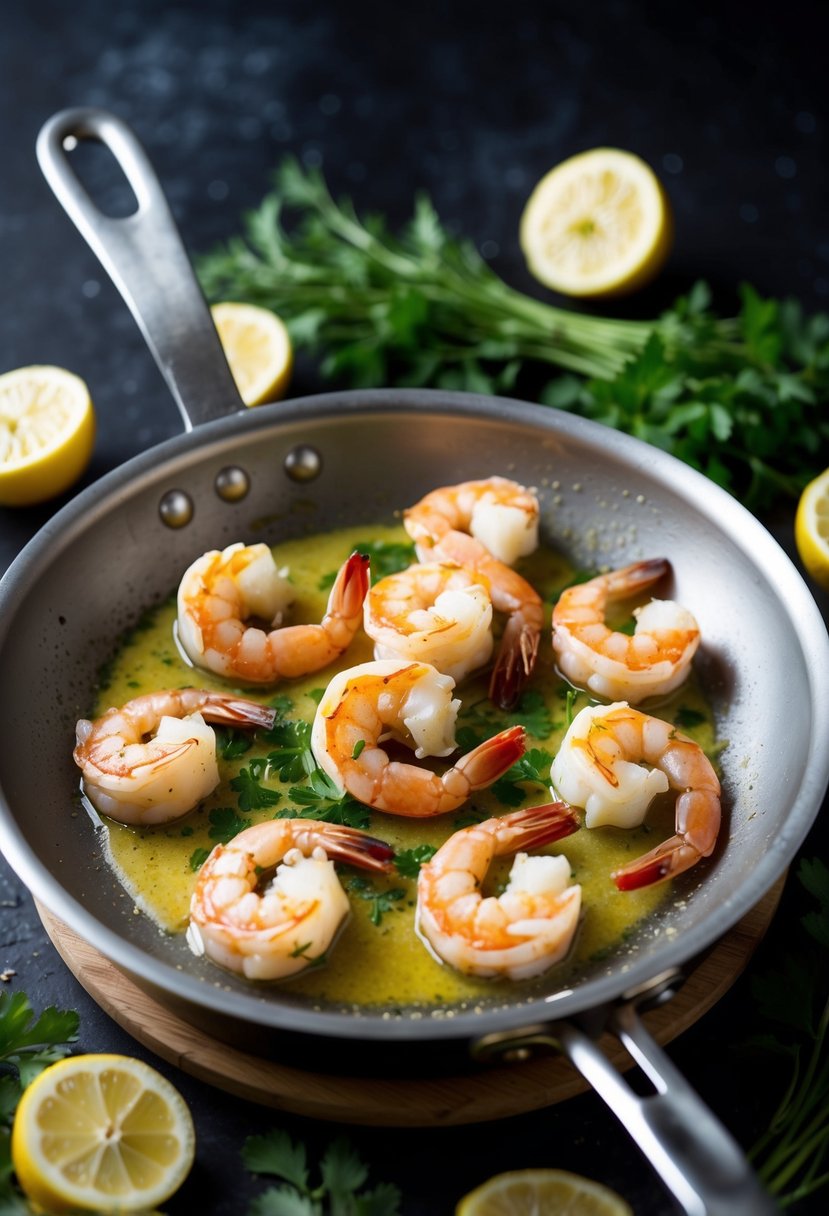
x,y
472,103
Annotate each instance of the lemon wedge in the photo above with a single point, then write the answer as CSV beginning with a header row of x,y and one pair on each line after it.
x,y
542,1193
598,224
101,1133
811,529
258,350
47,431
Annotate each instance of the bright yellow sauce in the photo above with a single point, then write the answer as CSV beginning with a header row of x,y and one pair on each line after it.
x,y
382,963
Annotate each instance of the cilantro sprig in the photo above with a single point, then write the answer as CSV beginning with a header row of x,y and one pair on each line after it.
x,y
742,398
28,1044
340,1191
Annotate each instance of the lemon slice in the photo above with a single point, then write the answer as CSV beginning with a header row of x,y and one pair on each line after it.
x,y
101,1133
811,529
47,431
542,1193
258,349
598,224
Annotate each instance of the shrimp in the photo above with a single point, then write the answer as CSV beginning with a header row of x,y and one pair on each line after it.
x,y
142,780
487,525
599,767
437,613
287,926
220,591
517,934
655,659
408,703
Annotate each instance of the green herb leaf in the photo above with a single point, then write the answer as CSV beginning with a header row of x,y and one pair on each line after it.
x,y
199,856
47,1037
408,861
230,743
381,901
292,758
283,1201
253,796
277,1154
322,799
225,823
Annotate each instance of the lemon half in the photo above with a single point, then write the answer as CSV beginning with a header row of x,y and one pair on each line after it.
x,y
258,350
542,1193
101,1133
47,432
598,224
811,529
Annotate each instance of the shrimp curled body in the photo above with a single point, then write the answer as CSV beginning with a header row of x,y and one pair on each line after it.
x,y
655,659
277,931
405,703
519,933
437,613
487,525
600,767
154,759
222,590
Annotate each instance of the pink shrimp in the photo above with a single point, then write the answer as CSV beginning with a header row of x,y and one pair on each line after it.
x,y
408,703
220,592
519,933
154,759
486,525
655,659
275,930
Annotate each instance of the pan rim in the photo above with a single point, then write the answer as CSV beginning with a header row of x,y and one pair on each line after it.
x,y
632,454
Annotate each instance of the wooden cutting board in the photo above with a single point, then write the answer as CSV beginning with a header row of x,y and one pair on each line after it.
x,y
492,1093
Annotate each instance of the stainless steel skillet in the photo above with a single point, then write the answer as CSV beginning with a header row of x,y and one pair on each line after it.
x,y
316,463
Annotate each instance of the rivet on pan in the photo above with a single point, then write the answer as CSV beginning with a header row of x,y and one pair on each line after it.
x,y
303,463
176,509
232,483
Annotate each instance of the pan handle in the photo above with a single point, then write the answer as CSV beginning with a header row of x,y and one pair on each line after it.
x,y
695,1156
144,256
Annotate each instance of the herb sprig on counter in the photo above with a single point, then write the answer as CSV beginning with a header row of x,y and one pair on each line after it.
x,y
28,1044
740,398
341,1190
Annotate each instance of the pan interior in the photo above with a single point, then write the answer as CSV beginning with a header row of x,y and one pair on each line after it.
x,y
606,500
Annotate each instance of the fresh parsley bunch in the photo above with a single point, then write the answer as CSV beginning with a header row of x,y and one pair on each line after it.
x,y
741,398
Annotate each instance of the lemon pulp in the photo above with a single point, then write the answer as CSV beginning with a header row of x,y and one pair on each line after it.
x,y
598,224
257,348
536,1192
101,1133
47,431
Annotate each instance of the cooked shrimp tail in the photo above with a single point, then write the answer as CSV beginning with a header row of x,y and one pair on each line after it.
x,y
697,822
516,659
491,759
356,848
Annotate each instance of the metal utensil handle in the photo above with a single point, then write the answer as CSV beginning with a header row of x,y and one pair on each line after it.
x,y
696,1158
144,256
